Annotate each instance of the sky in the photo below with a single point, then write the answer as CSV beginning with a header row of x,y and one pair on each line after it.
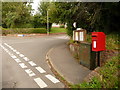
x,y
35,5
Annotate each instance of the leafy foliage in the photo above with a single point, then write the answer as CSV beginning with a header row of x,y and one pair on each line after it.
x,y
99,16
15,14
44,9
38,21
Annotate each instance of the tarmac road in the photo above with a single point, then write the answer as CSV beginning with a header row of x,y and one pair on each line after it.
x,y
24,64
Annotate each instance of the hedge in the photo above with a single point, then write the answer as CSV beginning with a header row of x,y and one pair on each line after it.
x,y
23,31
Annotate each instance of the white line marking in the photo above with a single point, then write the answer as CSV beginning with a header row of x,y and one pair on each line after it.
x,y
17,52
40,82
21,55
5,49
10,54
14,50
30,72
6,44
13,56
40,69
17,60
26,59
53,79
32,63
23,65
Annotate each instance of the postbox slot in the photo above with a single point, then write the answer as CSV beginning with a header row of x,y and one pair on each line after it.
x,y
94,36
95,39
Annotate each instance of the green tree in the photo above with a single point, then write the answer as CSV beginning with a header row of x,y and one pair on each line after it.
x,y
94,16
15,14
43,8
39,21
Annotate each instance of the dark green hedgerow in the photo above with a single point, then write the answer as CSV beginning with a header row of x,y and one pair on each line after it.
x,y
23,30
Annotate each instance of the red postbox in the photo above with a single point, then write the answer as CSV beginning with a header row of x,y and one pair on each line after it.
x,y
98,41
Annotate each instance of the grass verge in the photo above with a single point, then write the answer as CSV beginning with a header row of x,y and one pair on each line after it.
x,y
58,30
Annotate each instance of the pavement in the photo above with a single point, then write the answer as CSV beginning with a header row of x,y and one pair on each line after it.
x,y
64,63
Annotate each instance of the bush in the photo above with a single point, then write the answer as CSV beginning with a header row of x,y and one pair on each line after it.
x,y
112,41
70,32
23,31
5,31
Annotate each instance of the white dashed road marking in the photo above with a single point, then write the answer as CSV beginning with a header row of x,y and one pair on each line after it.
x,y
30,72
32,63
17,60
40,69
53,79
11,48
14,50
23,65
40,82
21,55
17,52
6,44
26,59
13,56
10,54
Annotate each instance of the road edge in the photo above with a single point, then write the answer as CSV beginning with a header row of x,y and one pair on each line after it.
x,y
56,72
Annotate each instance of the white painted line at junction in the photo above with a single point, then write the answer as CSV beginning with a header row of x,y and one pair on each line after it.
x,y
17,60
51,78
14,50
40,69
40,82
6,44
17,52
9,46
30,72
5,49
23,65
13,56
32,63
21,55
26,59
10,54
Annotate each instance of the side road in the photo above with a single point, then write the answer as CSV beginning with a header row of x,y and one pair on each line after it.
x,y
63,62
